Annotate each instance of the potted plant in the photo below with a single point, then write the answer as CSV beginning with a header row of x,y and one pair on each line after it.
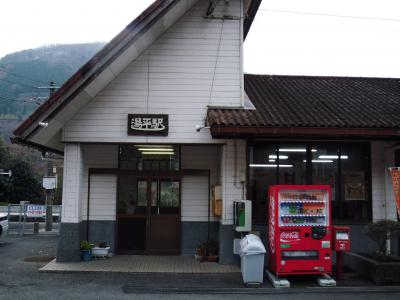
x,y
379,266
211,249
86,250
101,250
200,252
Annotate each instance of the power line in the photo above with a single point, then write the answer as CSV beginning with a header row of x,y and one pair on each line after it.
x,y
328,15
20,76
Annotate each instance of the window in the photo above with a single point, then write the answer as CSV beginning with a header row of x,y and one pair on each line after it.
x,y
345,167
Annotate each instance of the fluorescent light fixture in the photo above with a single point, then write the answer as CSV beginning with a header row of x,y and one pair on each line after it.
x,y
153,146
155,149
333,157
271,160
271,156
320,161
269,166
295,150
158,153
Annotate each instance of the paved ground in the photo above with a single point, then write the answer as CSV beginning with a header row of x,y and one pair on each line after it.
x,y
20,279
143,264
15,228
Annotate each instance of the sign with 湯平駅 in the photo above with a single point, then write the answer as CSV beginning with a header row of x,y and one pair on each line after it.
x,y
147,124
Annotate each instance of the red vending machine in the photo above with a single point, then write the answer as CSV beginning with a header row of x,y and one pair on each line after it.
x,y
299,229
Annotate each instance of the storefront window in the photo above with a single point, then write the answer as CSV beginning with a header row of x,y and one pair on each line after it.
x,y
149,157
292,164
262,173
355,183
324,165
345,167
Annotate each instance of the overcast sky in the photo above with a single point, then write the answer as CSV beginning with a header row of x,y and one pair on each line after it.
x,y
293,37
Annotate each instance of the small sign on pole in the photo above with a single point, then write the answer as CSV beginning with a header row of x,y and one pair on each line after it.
x,y
49,183
37,211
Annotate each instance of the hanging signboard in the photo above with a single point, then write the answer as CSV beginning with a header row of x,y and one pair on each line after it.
x,y
37,211
49,183
395,172
147,124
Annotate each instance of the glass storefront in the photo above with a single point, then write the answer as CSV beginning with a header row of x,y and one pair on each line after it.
x,y
344,166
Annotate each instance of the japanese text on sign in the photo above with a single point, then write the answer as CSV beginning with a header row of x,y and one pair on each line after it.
x,y
147,124
35,211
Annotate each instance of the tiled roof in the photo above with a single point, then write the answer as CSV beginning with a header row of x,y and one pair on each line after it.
x,y
310,101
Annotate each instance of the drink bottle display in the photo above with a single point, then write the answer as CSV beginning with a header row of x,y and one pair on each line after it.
x,y
299,229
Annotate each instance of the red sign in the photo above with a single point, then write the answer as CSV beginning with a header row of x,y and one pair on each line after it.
x,y
395,172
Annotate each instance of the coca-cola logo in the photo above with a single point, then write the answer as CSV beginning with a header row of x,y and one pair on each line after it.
x,y
290,235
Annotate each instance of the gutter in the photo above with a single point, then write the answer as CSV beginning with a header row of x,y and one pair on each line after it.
x,y
19,141
302,132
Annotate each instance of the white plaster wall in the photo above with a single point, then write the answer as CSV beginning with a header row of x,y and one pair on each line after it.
x,y
72,178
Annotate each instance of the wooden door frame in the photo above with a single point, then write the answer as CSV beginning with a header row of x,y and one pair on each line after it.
x,y
145,174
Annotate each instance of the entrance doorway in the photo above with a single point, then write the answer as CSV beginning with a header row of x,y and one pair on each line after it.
x,y
148,215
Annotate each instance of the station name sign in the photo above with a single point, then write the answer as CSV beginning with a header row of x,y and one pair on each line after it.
x,y
147,124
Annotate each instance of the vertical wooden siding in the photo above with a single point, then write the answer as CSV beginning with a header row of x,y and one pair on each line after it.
x,y
103,192
103,188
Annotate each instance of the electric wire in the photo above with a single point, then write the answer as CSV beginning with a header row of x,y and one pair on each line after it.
x,y
328,15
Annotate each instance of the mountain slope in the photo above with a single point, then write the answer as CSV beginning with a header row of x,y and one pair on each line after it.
x,y
25,74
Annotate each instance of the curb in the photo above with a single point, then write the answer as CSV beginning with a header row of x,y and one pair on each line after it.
x,y
257,291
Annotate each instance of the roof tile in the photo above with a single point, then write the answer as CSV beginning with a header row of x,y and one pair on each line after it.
x,y
312,101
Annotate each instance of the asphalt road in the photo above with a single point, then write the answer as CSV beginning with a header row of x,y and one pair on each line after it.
x,y
21,280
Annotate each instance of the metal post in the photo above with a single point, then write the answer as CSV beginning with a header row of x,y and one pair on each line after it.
x,y
49,212
24,219
339,264
20,220
8,218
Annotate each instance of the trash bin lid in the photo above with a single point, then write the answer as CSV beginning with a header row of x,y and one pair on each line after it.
x,y
251,244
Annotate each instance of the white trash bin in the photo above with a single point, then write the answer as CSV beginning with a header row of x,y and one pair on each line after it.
x,y
252,252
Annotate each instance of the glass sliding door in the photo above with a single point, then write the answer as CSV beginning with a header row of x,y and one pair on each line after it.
x,y
148,215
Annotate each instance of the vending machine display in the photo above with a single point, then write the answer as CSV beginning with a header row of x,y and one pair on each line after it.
x,y
299,232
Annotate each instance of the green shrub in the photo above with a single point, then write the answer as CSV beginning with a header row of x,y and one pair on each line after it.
x,y
378,231
85,245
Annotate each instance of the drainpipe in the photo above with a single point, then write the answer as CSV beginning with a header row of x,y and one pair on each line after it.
x,y
241,55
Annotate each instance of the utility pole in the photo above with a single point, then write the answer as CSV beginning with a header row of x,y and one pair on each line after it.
x,y
51,171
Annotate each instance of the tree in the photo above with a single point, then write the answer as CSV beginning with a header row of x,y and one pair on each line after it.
x,y
4,155
24,186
